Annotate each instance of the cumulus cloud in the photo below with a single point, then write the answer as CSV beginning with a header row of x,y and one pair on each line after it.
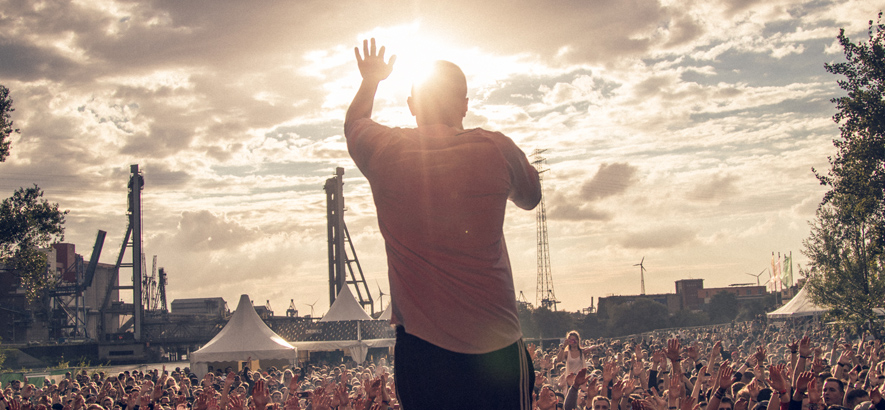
x,y
713,189
206,231
609,180
657,238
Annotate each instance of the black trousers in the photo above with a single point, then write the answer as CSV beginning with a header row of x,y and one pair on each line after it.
x,y
429,377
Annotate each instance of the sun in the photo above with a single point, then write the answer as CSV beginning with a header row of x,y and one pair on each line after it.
x,y
416,49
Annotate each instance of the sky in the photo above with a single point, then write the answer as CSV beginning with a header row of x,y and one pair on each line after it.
x,y
682,134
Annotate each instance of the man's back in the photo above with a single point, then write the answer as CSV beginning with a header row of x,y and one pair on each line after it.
x,y
441,195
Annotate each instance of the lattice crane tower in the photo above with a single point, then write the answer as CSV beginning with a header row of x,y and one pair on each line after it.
x,y
544,295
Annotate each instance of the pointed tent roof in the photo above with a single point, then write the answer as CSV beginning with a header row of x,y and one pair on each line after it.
x,y
345,308
800,305
244,335
386,314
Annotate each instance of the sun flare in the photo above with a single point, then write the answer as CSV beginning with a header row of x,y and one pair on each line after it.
x,y
416,49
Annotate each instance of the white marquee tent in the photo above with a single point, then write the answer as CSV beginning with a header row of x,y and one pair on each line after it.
x,y
802,306
245,335
799,306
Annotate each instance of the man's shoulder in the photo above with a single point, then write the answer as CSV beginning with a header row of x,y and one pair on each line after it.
x,y
356,127
495,136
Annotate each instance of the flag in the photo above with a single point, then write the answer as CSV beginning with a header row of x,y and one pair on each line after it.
x,y
773,273
787,271
777,272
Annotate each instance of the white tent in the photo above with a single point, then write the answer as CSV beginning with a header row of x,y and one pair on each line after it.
x,y
346,308
799,306
386,314
245,335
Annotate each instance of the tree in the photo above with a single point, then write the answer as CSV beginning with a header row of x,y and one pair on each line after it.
x,y
552,324
28,223
642,315
688,318
845,248
752,309
5,122
723,307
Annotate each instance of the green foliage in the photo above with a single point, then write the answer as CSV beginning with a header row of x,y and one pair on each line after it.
x,y
552,323
723,307
28,223
687,318
526,322
842,276
845,248
5,122
751,309
590,326
642,315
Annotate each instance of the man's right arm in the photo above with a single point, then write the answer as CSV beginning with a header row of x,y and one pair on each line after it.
x,y
373,69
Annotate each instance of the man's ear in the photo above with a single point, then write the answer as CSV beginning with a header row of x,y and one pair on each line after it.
x,y
411,107
464,108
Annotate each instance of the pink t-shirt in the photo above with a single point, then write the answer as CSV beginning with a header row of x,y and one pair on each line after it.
x,y
440,195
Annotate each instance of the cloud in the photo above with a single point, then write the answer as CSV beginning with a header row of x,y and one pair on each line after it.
x,y
714,189
572,211
657,238
203,231
610,180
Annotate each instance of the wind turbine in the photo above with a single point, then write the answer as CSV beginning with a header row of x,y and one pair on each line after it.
x,y
380,295
756,275
311,306
641,276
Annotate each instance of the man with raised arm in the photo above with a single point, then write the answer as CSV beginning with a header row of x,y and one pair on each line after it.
x,y
440,192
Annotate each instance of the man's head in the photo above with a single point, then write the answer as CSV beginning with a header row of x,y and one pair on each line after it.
x,y
441,96
833,391
855,397
601,403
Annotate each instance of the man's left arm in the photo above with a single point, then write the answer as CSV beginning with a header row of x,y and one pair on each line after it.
x,y
525,189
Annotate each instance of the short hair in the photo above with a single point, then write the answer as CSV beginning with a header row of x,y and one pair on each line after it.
x,y
444,80
856,395
601,398
838,381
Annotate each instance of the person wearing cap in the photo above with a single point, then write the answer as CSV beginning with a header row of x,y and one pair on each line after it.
x,y
441,192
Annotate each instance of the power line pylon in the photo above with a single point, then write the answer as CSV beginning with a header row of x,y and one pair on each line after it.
x,y
544,296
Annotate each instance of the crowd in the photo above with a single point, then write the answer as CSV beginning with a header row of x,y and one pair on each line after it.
x,y
743,366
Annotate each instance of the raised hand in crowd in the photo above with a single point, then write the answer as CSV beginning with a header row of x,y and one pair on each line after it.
x,y
260,394
547,399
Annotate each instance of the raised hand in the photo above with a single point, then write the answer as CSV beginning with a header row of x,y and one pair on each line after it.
x,y
260,394
593,388
675,390
673,350
760,356
814,391
776,379
608,372
725,375
581,377
372,66
802,381
805,346
694,351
